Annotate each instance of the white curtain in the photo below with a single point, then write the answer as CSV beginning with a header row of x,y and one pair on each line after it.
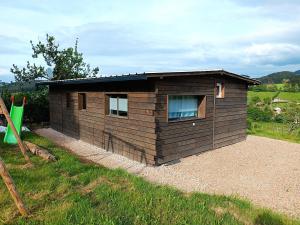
x,y
113,103
123,104
182,106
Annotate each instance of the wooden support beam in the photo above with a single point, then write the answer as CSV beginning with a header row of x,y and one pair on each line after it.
x,y
12,189
11,124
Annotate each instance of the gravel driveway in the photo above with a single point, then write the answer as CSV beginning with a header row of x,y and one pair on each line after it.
x,y
263,170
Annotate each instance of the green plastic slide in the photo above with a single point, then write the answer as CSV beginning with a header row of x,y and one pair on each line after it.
x,y
16,115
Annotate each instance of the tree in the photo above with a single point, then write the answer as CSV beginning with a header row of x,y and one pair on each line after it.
x,y
66,63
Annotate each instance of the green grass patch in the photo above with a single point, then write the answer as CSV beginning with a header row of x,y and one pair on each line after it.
x,y
290,96
70,191
260,94
275,130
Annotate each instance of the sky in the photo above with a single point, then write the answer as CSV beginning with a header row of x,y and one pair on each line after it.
x,y
252,37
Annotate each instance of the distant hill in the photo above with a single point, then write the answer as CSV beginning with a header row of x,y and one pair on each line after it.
x,y
277,78
297,72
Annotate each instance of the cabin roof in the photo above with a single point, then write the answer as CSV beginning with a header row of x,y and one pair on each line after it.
x,y
149,75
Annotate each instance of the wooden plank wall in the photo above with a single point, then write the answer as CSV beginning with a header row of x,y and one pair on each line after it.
x,y
133,137
55,109
70,115
231,114
146,135
178,139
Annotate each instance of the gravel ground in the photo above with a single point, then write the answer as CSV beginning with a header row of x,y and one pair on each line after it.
x,y
263,170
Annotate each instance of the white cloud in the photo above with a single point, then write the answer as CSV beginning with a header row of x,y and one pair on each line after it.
x,y
253,37
274,54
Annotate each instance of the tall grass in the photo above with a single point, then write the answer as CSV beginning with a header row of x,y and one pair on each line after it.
x,y
274,130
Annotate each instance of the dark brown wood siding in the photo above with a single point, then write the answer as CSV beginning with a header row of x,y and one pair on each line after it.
x,y
177,139
145,134
55,108
231,114
132,136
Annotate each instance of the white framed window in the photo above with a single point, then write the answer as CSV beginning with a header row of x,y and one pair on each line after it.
x,y
220,90
118,105
182,107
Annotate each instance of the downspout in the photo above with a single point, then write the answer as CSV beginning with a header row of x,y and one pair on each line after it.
x,y
156,157
214,113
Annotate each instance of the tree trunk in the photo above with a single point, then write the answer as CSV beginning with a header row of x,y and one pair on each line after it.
x,y
43,153
12,189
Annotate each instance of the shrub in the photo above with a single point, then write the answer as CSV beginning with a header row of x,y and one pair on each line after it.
x,y
249,124
292,116
37,107
267,101
257,114
263,87
279,118
255,100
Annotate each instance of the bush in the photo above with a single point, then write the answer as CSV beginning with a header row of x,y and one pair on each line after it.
x,y
263,87
249,124
257,114
255,100
279,118
267,101
37,107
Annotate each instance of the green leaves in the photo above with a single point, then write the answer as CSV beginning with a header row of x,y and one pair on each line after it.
x,y
66,63
30,72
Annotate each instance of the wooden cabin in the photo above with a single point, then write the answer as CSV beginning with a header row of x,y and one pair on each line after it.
x,y
153,118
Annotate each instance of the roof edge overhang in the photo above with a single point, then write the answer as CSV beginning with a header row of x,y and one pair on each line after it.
x,y
135,77
148,75
247,79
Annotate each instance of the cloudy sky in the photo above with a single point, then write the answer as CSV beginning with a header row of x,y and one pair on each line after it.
x,y
253,37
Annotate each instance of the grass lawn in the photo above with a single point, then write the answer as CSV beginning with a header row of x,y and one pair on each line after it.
x,y
275,130
261,94
290,96
70,191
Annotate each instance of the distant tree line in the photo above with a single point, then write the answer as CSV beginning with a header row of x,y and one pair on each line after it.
x,y
286,86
